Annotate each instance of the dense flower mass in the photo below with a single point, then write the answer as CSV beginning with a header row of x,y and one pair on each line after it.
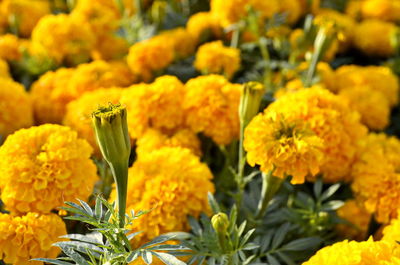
x,y
53,166
210,105
159,181
356,221
285,146
15,107
332,120
203,25
29,236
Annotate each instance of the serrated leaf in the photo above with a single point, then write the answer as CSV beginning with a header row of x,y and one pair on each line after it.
x,y
272,260
74,255
131,236
250,246
332,205
302,244
329,192
87,208
194,224
318,188
98,209
213,203
285,258
246,237
79,246
132,256
147,257
53,261
168,259
280,235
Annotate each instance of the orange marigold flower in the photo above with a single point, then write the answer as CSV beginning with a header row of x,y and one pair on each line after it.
x,y
29,236
358,220
4,69
11,47
211,106
203,24
182,42
44,166
388,10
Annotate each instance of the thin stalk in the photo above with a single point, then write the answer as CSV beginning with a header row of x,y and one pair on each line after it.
x,y
235,38
270,185
320,43
120,173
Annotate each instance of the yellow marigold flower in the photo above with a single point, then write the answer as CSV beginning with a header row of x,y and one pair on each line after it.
x,y
331,118
380,44
65,38
388,10
379,78
211,107
11,47
4,69
285,146
215,58
292,8
155,139
182,41
353,8
44,166
376,183
148,57
79,111
15,108
158,105
173,190
355,253
29,236
358,219
345,24
26,13
203,24
110,47
230,12
391,234
310,6
373,106
54,90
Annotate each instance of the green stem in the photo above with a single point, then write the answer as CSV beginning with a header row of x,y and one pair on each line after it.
x,y
235,38
270,185
320,43
120,173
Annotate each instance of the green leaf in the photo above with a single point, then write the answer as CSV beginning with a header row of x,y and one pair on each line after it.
x,y
194,224
147,257
98,209
272,260
158,240
250,246
213,203
74,255
94,238
232,219
79,246
168,259
330,191
286,259
132,256
280,235
302,244
318,187
332,205
53,261
246,237
87,208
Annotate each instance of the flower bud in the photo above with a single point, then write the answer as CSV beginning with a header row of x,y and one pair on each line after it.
x,y
250,101
220,223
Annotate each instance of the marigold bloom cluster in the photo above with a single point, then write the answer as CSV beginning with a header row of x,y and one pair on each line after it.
x,y
16,107
29,236
376,181
332,120
284,146
388,10
215,58
54,90
173,190
11,47
211,106
4,69
358,220
203,25
44,166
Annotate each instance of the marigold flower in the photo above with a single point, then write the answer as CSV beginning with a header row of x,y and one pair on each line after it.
x,y
78,115
65,38
182,42
308,6
160,181
230,12
391,234
355,253
388,10
331,118
154,139
379,78
203,24
358,219
29,236
292,9
376,183
285,146
11,47
4,69
158,105
54,90
44,166
147,57
215,58
27,13
15,109
211,107
380,45
373,106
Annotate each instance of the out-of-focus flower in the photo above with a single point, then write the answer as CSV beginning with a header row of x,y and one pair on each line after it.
x,y
11,47
331,118
158,105
355,253
380,44
388,10
203,25
182,42
4,69
154,139
358,221
286,146
211,107
65,38
292,9
376,183
215,58
110,47
230,12
310,6
54,90
29,236
391,234
44,166
24,14
78,115
173,190
15,107
353,9
149,57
